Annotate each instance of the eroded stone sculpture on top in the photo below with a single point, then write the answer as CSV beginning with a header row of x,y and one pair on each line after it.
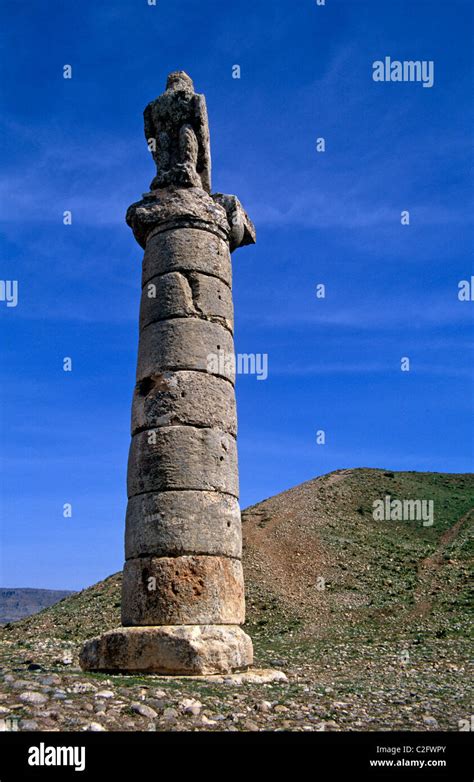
x,y
177,127
183,591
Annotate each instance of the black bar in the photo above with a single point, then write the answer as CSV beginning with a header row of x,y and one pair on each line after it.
x,y
334,753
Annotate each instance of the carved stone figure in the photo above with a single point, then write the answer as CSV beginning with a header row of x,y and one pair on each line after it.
x,y
177,130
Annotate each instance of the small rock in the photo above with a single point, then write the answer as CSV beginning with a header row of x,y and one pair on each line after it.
x,y
157,704
35,698
28,725
105,694
95,727
206,721
81,687
190,706
170,715
20,684
144,710
50,680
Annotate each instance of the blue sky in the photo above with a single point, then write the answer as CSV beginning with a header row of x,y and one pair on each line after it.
x,y
331,218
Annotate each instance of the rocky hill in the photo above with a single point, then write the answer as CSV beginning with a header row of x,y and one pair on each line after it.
x,y
367,618
17,603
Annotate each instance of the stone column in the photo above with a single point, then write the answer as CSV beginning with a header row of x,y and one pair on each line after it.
x,y
183,591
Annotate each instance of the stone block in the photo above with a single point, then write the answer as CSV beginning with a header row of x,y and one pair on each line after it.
x,y
183,650
182,590
187,250
182,457
184,343
188,398
186,294
174,523
172,208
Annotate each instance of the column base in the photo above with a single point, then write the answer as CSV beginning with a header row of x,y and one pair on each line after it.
x,y
169,650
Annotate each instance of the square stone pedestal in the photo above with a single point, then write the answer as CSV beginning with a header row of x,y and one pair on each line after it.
x,y
170,650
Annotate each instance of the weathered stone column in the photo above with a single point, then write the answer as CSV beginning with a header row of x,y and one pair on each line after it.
x,y
183,591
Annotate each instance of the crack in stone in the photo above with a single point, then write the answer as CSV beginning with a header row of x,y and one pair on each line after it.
x,y
193,283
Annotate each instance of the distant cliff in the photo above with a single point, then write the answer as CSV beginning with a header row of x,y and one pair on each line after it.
x,y
17,603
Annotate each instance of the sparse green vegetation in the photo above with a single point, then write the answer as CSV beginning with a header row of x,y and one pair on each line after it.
x,y
368,614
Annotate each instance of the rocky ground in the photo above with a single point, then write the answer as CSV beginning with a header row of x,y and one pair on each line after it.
x,y
369,621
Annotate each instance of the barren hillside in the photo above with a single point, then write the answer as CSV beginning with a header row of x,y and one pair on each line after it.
x,y
368,619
